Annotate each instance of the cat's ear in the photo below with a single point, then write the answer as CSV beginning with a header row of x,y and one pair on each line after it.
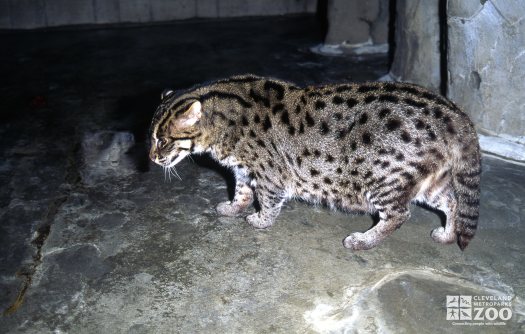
x,y
165,93
192,115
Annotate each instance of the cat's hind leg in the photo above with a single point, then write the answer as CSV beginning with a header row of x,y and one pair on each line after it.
x,y
437,192
447,203
391,218
242,199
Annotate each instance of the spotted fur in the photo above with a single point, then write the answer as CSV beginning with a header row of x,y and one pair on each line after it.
x,y
373,147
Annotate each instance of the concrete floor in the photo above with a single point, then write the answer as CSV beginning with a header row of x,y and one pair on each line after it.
x,y
111,246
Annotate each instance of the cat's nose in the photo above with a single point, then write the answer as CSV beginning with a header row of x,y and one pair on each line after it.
x,y
153,157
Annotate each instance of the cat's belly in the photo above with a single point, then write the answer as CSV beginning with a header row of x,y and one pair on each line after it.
x,y
351,202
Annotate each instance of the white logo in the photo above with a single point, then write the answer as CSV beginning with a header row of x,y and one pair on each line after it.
x,y
490,310
465,301
459,307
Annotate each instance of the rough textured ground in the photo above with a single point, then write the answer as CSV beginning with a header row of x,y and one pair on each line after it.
x,y
97,240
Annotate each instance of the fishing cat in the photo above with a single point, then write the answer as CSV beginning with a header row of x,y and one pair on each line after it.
x,y
371,147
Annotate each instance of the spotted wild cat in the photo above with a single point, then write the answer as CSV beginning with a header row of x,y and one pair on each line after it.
x,y
373,147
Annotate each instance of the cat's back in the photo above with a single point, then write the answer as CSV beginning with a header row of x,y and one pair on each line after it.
x,y
370,118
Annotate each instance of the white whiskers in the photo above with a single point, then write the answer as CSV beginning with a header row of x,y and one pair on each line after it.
x,y
169,172
174,173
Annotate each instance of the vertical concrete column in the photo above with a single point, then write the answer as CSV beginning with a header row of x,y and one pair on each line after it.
x,y
486,63
417,43
356,26
348,21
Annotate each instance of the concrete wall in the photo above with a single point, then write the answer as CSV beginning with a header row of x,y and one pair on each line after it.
x,y
485,59
486,62
28,14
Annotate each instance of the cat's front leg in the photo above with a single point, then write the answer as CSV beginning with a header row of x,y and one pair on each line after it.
x,y
241,200
271,204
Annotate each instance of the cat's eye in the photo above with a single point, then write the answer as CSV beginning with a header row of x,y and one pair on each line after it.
x,y
161,143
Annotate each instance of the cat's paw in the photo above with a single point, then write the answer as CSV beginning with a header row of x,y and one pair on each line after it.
x,y
256,221
228,209
358,241
440,235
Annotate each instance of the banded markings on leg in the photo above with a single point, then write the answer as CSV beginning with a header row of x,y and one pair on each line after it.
x,y
391,218
271,203
241,200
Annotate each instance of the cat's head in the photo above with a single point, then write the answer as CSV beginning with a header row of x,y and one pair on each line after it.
x,y
175,129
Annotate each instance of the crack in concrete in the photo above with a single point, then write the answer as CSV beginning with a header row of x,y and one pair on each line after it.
x,y
27,272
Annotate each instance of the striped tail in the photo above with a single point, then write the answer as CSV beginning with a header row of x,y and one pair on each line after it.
x,y
466,176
